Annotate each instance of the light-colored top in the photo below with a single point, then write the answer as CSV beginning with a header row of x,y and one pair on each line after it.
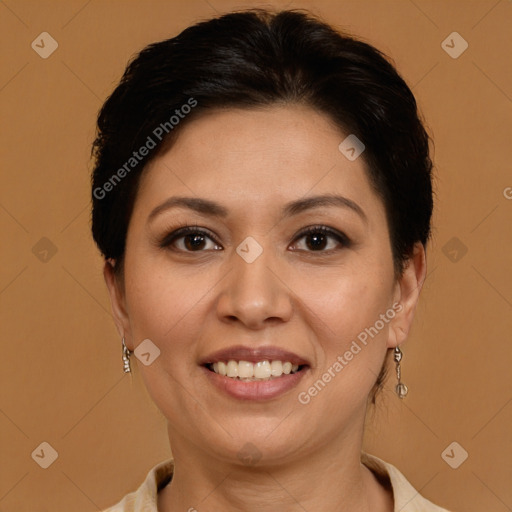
x,y
407,499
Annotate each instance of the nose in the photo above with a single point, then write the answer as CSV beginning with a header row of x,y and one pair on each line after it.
x,y
254,294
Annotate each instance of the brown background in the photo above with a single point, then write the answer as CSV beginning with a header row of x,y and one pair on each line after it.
x,y
62,379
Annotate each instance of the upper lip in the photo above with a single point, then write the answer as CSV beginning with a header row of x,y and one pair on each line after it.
x,y
253,355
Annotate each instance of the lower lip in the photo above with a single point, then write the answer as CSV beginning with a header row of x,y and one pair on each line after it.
x,y
255,390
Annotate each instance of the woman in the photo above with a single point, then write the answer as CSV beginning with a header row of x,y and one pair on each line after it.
x,y
262,198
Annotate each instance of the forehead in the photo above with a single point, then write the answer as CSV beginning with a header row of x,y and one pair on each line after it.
x,y
258,156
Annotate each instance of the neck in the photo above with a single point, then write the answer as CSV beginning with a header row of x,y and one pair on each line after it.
x,y
330,478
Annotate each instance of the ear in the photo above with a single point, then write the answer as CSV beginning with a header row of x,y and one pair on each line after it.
x,y
407,292
117,301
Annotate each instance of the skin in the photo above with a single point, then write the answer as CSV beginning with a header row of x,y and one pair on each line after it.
x,y
312,301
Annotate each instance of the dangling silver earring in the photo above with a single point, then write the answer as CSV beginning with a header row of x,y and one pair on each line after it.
x,y
126,358
400,389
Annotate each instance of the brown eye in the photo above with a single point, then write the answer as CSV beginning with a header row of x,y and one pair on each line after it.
x,y
193,240
317,238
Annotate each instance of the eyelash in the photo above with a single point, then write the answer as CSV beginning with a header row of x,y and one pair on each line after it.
x,y
185,230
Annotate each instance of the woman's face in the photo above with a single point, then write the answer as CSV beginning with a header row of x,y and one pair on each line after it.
x,y
248,277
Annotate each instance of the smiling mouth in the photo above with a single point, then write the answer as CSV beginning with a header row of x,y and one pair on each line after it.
x,y
253,372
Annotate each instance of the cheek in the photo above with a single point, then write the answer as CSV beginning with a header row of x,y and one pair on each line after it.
x,y
162,304
350,316
174,306
350,352
167,306
345,300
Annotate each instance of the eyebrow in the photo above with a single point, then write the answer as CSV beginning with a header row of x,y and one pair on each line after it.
x,y
213,209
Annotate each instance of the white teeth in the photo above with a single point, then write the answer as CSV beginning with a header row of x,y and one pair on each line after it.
x,y
232,369
262,370
245,370
276,368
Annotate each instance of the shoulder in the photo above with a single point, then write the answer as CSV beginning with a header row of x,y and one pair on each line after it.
x,y
406,497
144,499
